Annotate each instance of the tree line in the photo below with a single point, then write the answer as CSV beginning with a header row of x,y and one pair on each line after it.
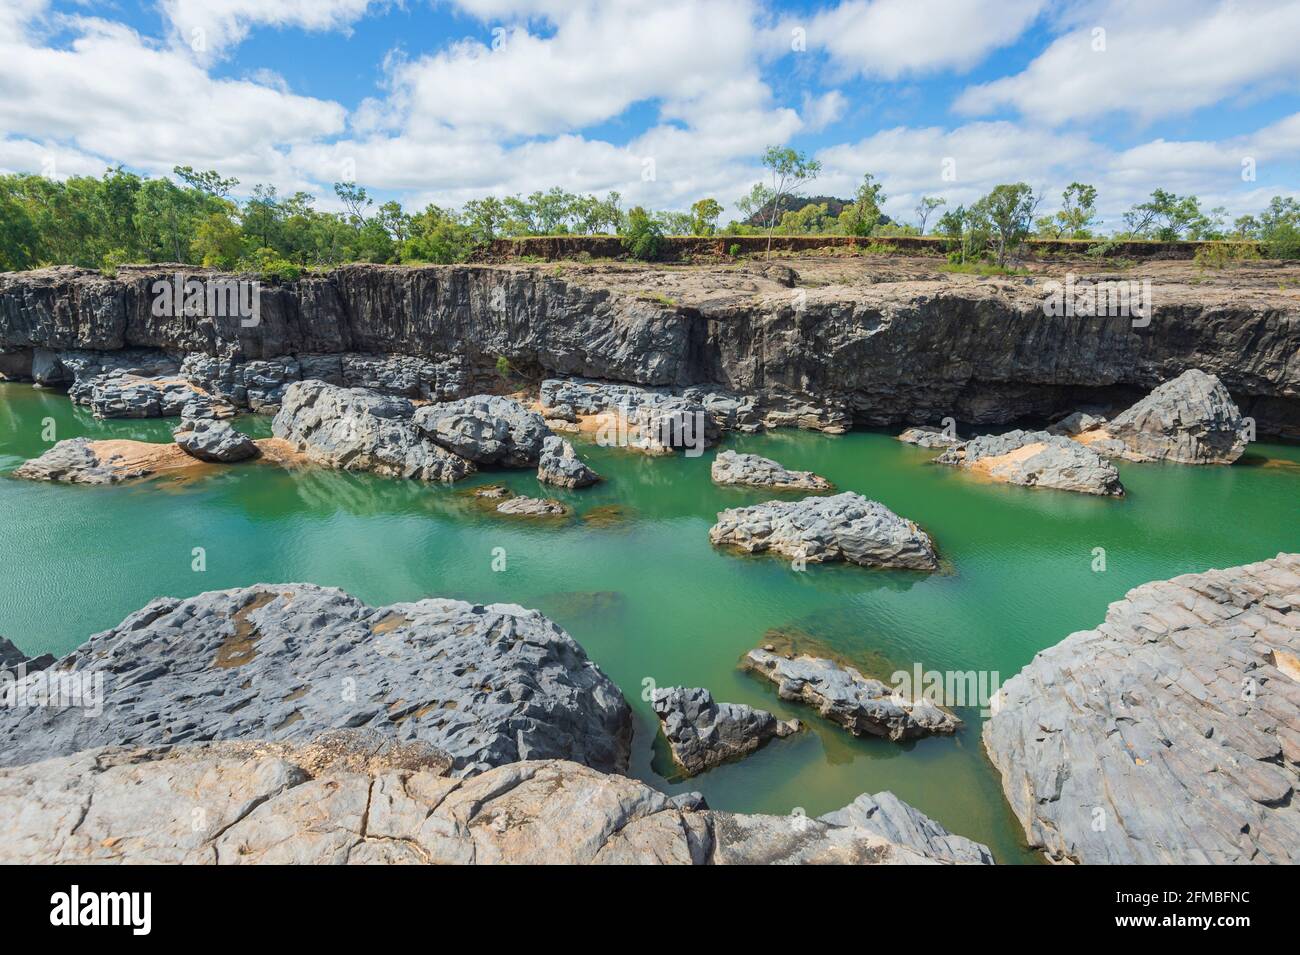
x,y
121,217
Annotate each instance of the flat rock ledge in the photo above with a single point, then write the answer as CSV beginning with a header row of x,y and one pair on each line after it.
x,y
843,527
730,467
1169,734
862,705
560,465
487,684
356,797
1189,420
702,734
1036,459
83,461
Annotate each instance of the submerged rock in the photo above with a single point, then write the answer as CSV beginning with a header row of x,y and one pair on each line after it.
x,y
845,527
1036,459
356,797
863,706
702,733
923,436
487,684
486,429
1169,734
357,430
1189,420
212,440
754,471
560,465
532,507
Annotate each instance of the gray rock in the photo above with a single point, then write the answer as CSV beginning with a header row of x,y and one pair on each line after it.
x,y
862,705
487,684
1190,420
1036,459
486,429
211,440
1079,422
845,527
357,430
75,461
532,507
359,798
121,395
11,658
1169,734
658,421
754,471
703,734
924,436
560,465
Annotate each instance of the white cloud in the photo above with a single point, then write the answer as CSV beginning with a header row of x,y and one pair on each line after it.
x,y
212,28
822,111
1160,58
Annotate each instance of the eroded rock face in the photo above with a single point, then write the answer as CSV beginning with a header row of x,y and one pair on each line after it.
x,y
703,734
11,658
1189,420
845,527
1036,459
120,395
358,798
487,684
356,430
751,470
560,465
486,429
862,705
212,440
75,461
1176,724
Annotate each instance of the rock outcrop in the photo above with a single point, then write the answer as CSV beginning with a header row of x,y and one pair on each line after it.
x,y
843,527
862,705
521,506
121,395
83,461
1169,734
924,436
354,429
359,798
1036,459
751,470
703,734
11,658
560,465
1189,420
487,684
485,429
210,440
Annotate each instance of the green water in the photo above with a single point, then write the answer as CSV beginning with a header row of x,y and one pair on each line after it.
x,y
643,591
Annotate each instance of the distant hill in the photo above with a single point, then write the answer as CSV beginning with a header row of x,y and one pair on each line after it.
x,y
834,207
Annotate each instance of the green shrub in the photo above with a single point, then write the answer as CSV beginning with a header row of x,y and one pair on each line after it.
x,y
1219,255
734,251
644,237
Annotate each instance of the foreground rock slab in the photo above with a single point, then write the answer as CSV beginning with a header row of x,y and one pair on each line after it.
x,y
1169,734
863,706
702,734
1189,420
358,798
1036,459
729,467
844,527
487,684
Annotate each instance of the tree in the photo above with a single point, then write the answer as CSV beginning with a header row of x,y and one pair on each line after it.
x,y
208,182
355,201
644,236
791,170
1007,214
704,216
861,216
484,217
925,207
1168,217
218,241
1078,210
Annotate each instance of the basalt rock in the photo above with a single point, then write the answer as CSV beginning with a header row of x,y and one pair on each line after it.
x,y
485,429
211,440
751,470
11,658
927,437
77,461
844,527
357,430
1169,734
487,684
862,705
560,465
1036,459
360,798
1190,420
702,734
120,395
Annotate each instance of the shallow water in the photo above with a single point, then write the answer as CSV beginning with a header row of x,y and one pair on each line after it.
x,y
633,577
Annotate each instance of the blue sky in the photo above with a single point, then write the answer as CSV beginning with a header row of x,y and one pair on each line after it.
x,y
664,102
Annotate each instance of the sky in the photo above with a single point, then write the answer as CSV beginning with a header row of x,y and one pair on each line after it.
x,y
665,101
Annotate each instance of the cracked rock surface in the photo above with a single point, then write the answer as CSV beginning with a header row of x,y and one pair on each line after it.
x,y
1170,733
1036,459
560,465
211,440
355,797
487,684
730,467
1189,420
703,734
